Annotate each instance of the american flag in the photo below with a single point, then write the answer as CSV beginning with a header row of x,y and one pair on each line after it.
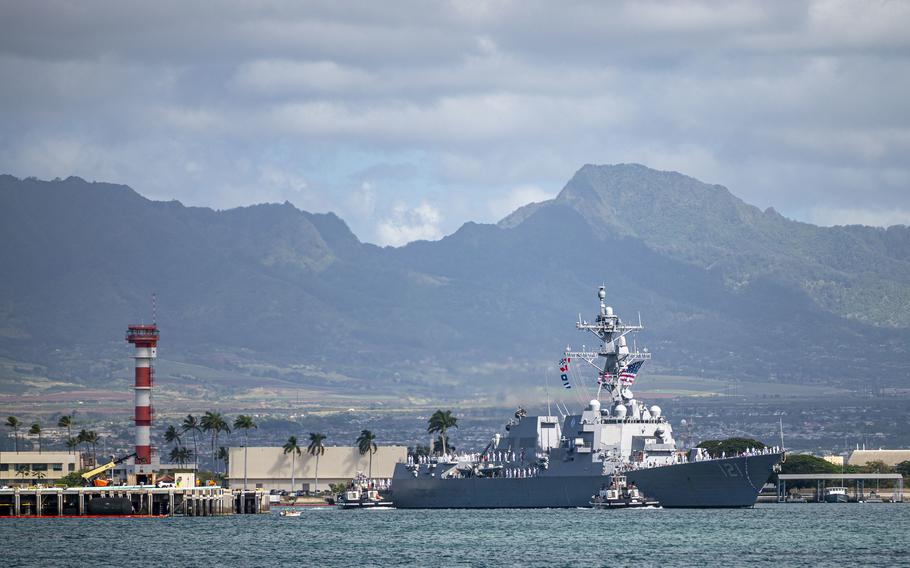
x,y
627,376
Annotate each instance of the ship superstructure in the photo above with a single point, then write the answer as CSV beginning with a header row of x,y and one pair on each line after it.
x,y
545,461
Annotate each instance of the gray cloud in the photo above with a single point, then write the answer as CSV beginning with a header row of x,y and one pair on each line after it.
x,y
410,118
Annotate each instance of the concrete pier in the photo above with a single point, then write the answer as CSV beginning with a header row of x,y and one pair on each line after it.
x,y
139,501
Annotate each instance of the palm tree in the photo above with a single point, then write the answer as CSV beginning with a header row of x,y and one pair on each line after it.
x,y
244,422
72,444
35,430
66,421
81,437
214,422
440,422
224,456
172,435
366,442
291,447
181,455
13,422
91,437
316,449
191,424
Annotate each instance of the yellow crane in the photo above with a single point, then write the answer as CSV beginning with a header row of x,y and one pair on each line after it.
x,y
91,475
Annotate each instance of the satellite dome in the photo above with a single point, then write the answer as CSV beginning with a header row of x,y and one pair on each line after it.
x,y
602,293
594,404
620,410
655,411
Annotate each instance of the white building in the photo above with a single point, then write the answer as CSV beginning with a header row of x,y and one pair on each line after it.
x,y
270,468
29,468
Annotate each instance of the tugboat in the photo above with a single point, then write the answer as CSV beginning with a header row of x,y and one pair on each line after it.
x,y
562,461
361,495
620,495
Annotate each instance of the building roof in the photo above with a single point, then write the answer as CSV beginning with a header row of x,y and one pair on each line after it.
x,y
805,476
338,462
890,457
38,457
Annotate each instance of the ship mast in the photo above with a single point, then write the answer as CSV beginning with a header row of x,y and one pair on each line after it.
x,y
611,333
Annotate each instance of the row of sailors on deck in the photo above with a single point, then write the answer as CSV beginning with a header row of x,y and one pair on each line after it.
x,y
492,456
702,456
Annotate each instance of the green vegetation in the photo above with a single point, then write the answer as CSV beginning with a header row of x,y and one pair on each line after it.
x,y
315,448
366,442
730,446
244,423
440,422
802,463
73,478
439,446
214,424
13,423
903,468
66,421
337,488
35,430
181,455
420,450
91,438
191,425
172,436
291,447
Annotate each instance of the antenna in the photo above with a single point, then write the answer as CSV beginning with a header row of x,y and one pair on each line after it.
x,y
547,388
780,418
154,308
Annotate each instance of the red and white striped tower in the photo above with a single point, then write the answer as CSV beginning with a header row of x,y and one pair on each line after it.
x,y
145,338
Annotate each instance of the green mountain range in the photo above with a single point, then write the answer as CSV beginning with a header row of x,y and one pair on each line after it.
x,y
724,289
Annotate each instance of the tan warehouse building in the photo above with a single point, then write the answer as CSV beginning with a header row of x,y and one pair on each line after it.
x,y
890,457
28,468
270,468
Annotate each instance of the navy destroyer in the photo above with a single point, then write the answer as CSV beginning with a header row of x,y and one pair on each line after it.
x,y
550,461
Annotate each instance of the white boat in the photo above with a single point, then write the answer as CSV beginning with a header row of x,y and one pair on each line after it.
x,y
836,495
289,513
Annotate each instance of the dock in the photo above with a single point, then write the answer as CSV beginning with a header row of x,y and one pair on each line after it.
x,y
139,501
821,481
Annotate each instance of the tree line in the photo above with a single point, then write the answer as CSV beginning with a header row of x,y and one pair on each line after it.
x,y
73,443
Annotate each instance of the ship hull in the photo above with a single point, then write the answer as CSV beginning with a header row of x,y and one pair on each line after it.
x,y
731,482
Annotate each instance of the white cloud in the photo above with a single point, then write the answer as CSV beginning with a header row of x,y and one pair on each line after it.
x,y
798,105
410,224
283,76
516,198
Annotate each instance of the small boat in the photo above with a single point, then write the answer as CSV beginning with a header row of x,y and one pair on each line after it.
x,y
836,495
356,498
289,513
795,498
621,495
873,497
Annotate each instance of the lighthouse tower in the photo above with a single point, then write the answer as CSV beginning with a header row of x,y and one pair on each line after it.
x,y
145,338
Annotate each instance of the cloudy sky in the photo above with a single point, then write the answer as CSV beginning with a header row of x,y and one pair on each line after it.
x,y
410,118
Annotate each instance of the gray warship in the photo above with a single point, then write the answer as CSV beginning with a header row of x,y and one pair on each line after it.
x,y
563,461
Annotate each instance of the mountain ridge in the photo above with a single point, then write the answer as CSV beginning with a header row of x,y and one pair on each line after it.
x,y
271,286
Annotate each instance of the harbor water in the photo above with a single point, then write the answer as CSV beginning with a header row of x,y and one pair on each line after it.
x,y
772,534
